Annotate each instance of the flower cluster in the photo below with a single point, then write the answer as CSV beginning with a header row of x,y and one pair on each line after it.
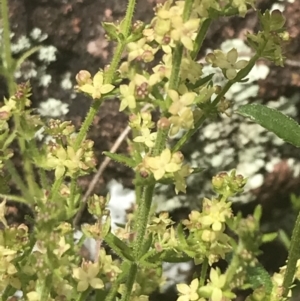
x,y
208,226
67,160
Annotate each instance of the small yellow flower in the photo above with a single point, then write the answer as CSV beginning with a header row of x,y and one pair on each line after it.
x,y
127,96
227,62
97,87
162,164
184,120
185,32
180,176
188,292
62,247
180,102
147,137
87,276
215,289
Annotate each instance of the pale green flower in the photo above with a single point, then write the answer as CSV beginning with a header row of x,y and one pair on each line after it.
x,y
184,120
188,292
87,276
228,62
127,96
162,164
146,137
97,87
180,102
184,31
215,288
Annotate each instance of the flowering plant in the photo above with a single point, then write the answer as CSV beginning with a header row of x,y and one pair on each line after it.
x,y
43,262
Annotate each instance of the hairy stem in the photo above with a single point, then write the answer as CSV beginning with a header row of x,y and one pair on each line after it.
x,y
7,56
294,255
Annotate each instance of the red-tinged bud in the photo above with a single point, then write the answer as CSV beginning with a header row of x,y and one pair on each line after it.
x,y
83,77
163,123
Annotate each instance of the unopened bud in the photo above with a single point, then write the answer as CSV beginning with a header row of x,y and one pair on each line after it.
x,y
177,157
163,123
83,77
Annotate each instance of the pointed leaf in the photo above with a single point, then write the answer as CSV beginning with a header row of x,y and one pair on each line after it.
x,y
111,30
173,256
274,121
119,247
258,276
121,159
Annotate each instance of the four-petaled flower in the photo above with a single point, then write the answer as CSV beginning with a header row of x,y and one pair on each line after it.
x,y
97,87
127,96
87,276
162,164
215,289
188,292
146,137
227,62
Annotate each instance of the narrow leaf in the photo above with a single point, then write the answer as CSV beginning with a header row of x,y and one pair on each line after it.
x,y
119,247
120,159
274,121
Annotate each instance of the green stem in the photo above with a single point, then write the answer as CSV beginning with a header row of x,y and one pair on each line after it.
x,y
28,169
130,281
126,26
204,268
87,123
142,220
294,255
72,193
17,180
125,30
55,188
7,56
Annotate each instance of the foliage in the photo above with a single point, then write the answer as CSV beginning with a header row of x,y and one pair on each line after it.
x,y
44,262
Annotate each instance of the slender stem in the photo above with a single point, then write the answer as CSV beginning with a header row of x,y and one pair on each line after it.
x,y
28,169
111,296
87,123
125,30
142,220
8,60
294,255
130,281
55,187
126,26
18,180
203,271
188,7
72,193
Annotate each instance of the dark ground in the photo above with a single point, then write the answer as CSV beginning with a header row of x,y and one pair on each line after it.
x,y
74,28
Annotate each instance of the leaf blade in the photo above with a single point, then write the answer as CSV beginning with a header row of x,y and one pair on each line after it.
x,y
274,121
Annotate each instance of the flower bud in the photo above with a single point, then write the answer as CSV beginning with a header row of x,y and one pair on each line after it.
x,y
83,77
163,123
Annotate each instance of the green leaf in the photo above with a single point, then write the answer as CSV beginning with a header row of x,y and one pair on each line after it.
x,y
111,30
173,256
147,244
121,159
258,276
274,121
200,82
119,247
